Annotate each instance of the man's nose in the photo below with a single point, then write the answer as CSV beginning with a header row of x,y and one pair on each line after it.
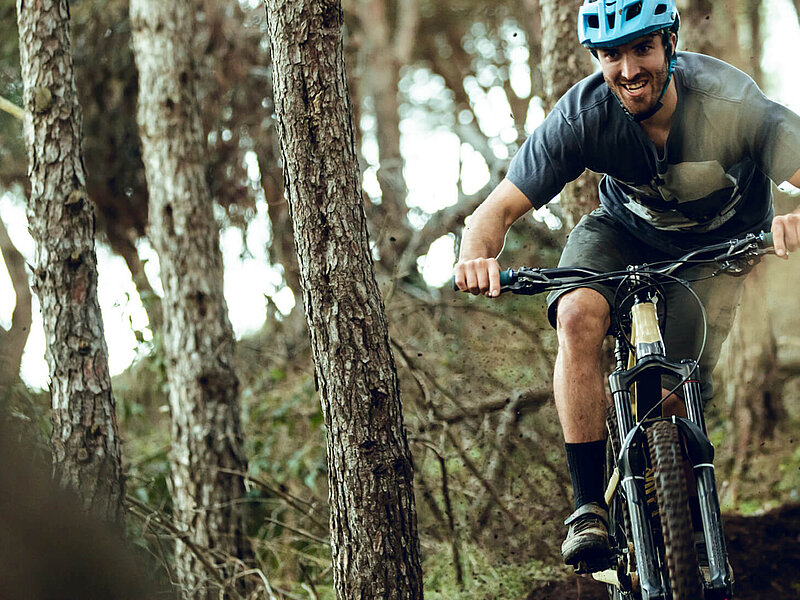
x,y
630,67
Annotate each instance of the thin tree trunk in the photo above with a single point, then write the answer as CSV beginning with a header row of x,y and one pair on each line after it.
x,y
203,388
386,50
564,63
374,538
533,29
756,41
700,31
12,342
85,440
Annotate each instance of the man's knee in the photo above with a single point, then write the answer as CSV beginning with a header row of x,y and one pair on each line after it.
x,y
583,316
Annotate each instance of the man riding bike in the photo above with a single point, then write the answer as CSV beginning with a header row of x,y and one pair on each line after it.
x,y
688,145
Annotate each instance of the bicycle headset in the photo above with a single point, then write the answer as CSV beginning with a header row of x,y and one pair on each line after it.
x,y
614,23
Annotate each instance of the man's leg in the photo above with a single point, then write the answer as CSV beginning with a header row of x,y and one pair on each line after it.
x,y
582,322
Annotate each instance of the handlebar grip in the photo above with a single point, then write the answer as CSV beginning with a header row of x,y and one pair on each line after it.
x,y
507,277
766,239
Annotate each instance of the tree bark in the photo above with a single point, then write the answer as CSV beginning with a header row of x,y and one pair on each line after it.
x,y
374,537
85,440
565,63
203,388
12,342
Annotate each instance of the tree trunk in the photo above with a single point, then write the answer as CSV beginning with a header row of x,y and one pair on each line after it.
x,y
206,456
374,538
749,375
756,41
565,63
12,342
86,451
387,49
747,364
699,30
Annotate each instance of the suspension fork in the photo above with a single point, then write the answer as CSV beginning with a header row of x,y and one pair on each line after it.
x,y
631,465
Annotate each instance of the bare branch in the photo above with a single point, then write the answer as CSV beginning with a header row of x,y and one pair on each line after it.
x,y
150,517
14,340
11,108
451,522
303,506
527,401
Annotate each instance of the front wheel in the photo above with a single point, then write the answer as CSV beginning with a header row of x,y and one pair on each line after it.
x,y
667,460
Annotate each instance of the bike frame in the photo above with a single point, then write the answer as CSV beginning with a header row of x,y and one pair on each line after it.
x,y
649,362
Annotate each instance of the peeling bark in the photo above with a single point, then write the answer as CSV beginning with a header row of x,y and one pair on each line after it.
x,y
85,440
374,538
206,455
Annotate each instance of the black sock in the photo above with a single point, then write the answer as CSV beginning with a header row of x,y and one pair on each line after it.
x,y
586,464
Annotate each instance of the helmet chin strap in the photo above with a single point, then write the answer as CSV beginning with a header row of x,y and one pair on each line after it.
x,y
643,116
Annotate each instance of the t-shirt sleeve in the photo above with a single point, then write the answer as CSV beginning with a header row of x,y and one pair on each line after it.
x,y
550,158
773,133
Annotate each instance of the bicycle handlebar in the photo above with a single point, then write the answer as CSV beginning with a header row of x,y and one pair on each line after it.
x,y
733,256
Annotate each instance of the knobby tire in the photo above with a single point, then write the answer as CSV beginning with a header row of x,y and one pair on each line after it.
x,y
673,505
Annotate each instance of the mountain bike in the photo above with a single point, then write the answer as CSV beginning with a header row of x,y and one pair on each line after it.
x,y
658,467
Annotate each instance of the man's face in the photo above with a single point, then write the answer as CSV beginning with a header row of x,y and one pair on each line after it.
x,y
636,72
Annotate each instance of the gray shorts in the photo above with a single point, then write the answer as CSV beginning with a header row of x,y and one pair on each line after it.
x,y
598,242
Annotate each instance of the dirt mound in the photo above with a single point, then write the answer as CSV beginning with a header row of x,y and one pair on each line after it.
x,y
764,552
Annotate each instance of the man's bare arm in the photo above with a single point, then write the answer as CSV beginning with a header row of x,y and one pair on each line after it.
x,y
477,270
786,228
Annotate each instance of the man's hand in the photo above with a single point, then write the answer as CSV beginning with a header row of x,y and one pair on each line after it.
x,y
786,234
478,276
484,235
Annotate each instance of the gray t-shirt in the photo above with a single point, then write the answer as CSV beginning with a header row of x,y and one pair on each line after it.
x,y
709,184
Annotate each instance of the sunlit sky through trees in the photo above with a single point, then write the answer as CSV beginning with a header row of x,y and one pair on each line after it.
x,y
434,161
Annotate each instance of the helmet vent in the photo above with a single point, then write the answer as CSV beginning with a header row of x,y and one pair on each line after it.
x,y
660,9
592,22
634,11
611,20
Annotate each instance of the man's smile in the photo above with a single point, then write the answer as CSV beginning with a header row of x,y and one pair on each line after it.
x,y
635,88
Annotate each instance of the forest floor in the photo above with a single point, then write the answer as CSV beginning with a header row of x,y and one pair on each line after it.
x,y
764,552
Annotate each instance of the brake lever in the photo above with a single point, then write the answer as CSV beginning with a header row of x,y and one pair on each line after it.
x,y
741,258
528,282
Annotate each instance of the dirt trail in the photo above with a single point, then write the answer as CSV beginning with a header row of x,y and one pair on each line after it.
x,y
764,551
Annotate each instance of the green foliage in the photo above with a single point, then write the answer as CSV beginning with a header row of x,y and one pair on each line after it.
x,y
483,579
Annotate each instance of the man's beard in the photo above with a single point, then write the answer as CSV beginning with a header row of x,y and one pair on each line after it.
x,y
655,84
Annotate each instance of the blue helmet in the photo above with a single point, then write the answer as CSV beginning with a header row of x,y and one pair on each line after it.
x,y
611,23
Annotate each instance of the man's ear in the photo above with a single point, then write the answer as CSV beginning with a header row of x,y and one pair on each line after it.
x,y
673,41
